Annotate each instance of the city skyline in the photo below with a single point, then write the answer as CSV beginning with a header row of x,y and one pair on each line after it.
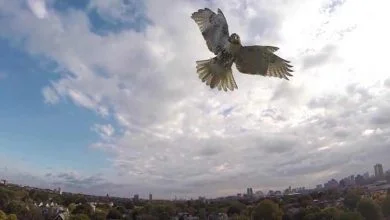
x,y
251,191
97,95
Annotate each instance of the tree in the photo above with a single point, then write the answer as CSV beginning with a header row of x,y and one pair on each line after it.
x,y
99,215
239,217
83,209
12,217
38,196
34,213
121,209
162,211
267,209
351,200
369,210
16,207
305,200
312,210
79,217
129,205
71,207
386,207
4,199
3,216
331,213
351,216
114,214
233,210
202,214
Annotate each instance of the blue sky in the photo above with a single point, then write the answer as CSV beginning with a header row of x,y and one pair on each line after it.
x,y
36,132
103,97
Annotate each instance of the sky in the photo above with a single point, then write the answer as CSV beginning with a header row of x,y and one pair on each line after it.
x,y
103,97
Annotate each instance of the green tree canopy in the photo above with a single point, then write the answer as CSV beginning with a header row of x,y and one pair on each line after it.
x,y
83,209
3,216
16,207
267,209
331,213
369,210
12,217
386,207
79,217
99,215
305,200
351,216
351,200
114,214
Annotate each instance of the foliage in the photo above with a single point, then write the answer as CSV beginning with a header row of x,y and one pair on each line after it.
x,y
114,214
71,207
146,217
3,216
19,202
38,196
386,207
79,217
267,209
12,217
331,213
239,217
351,200
351,216
16,207
99,215
305,200
129,205
83,209
103,206
369,210
34,213
233,210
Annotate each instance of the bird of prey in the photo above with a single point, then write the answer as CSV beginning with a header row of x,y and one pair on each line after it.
x,y
255,60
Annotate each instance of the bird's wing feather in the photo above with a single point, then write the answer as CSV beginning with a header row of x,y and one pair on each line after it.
x,y
260,60
213,27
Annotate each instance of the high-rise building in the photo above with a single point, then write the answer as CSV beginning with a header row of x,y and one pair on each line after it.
x,y
136,198
150,197
378,170
249,191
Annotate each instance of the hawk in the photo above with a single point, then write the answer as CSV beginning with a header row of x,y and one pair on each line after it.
x,y
255,60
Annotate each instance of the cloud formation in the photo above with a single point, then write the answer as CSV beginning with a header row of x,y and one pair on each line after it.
x,y
177,137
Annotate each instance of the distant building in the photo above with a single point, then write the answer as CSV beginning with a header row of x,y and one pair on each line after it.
x,y
136,198
366,175
150,197
331,184
259,194
4,182
249,191
378,170
319,186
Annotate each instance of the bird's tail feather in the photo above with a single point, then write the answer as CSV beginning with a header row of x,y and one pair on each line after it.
x,y
209,72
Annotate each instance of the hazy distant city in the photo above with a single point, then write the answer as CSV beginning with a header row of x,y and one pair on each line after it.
x,y
348,198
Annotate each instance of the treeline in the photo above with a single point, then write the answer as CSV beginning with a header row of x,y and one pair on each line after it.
x,y
20,203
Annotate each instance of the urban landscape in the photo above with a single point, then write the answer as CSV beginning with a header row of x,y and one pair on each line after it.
x,y
363,196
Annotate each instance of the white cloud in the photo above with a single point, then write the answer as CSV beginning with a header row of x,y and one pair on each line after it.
x,y
50,95
179,135
38,7
105,131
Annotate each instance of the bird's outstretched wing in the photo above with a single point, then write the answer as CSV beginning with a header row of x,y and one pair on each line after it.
x,y
261,60
213,27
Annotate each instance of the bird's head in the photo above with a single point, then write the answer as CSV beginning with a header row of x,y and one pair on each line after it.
x,y
234,39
